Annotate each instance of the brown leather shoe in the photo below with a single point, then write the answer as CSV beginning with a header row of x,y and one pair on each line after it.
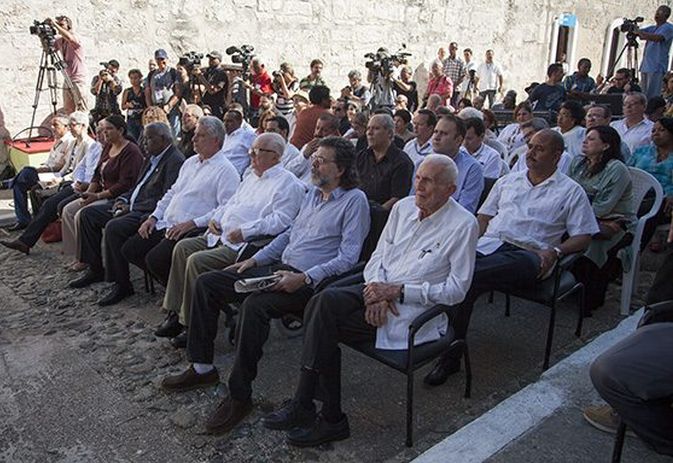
x,y
228,414
17,245
190,379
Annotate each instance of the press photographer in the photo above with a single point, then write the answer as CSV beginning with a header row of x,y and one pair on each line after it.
x,y
658,38
381,67
106,87
188,88
285,84
215,83
70,48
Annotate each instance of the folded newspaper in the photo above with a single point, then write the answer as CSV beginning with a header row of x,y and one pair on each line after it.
x,y
249,285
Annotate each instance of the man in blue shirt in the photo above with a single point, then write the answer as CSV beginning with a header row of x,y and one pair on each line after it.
x,y
325,240
658,40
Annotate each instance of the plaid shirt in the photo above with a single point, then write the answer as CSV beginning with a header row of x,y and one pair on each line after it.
x,y
454,69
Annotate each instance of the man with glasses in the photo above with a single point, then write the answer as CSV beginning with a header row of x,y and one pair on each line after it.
x,y
265,204
325,240
621,82
599,114
634,128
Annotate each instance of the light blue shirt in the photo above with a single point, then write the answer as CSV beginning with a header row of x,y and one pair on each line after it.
x,y
326,237
83,172
154,162
645,158
655,55
470,182
236,146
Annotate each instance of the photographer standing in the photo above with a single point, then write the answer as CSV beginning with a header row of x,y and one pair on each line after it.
x,y
106,86
655,56
285,84
71,49
216,84
160,90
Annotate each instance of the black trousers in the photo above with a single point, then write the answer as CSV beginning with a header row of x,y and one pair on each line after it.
x,y
635,376
332,316
49,212
154,254
91,225
212,291
662,289
118,233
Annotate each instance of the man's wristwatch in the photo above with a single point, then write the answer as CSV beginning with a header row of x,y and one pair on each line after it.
x,y
559,253
307,280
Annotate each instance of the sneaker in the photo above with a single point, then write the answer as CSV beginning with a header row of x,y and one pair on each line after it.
x,y
605,418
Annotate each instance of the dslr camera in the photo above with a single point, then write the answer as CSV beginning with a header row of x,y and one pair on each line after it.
x,y
242,55
46,33
190,60
384,62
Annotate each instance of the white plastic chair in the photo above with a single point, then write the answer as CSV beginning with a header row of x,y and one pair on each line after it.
x,y
642,183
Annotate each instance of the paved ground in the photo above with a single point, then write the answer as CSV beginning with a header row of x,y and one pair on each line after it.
x,y
79,383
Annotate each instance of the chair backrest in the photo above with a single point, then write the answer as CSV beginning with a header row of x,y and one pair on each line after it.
x,y
642,182
379,217
488,184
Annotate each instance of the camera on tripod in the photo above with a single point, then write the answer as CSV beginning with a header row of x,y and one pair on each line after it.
x,y
191,60
46,32
242,55
630,26
384,62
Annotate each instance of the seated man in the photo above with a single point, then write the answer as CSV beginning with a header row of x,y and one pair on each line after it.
x,y
237,141
424,125
205,182
125,214
279,125
447,140
490,160
634,128
384,170
522,224
425,256
84,156
528,129
326,126
190,116
28,177
325,240
265,204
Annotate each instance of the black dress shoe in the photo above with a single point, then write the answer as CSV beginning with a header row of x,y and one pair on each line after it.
x,y
319,433
17,227
180,341
17,245
116,294
291,415
170,327
441,372
89,277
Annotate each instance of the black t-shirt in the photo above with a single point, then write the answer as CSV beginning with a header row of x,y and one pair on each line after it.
x,y
412,95
215,76
388,178
548,97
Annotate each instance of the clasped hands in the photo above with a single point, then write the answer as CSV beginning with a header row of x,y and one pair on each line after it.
x,y
379,300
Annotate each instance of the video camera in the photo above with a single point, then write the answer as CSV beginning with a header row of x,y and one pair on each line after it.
x,y
630,26
384,62
190,60
242,56
46,32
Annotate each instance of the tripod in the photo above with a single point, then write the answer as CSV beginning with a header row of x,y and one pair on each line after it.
x,y
631,49
50,62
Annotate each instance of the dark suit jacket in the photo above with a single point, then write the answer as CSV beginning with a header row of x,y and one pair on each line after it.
x,y
162,178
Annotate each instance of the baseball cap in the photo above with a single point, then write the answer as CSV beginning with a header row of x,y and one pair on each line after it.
x,y
160,54
215,54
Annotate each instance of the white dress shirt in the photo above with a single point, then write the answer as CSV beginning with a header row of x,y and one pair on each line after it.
x,y
520,165
635,136
59,152
262,205
416,151
511,136
83,160
573,139
290,153
201,187
535,217
433,258
236,146
301,166
491,161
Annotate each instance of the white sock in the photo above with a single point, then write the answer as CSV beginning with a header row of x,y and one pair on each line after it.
x,y
203,368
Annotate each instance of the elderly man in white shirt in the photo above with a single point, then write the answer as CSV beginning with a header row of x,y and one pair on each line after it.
x,y
494,166
237,141
205,182
425,256
522,225
265,204
634,128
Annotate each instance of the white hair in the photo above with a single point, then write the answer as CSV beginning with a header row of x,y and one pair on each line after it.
x,y
449,168
274,140
79,117
213,127
470,112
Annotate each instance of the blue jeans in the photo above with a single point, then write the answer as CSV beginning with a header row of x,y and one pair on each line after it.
x,y
26,179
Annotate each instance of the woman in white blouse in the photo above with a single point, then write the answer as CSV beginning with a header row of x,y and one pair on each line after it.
x,y
511,135
569,120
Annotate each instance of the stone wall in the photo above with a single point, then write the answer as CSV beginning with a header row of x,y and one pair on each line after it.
x,y
340,32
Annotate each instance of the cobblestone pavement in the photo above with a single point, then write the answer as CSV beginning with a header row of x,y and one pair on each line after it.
x,y
80,383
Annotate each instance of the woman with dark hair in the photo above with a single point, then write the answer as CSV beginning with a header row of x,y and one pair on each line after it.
x,y
657,159
569,120
402,120
511,135
116,173
607,182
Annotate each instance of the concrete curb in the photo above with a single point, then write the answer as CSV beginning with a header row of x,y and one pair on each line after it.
x,y
516,415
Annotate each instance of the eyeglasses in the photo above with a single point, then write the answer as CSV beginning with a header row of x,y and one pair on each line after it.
x,y
254,152
321,160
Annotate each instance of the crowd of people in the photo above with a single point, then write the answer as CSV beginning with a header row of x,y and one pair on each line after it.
x,y
186,179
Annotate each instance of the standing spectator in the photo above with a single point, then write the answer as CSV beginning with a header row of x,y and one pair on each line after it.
x,y
469,86
549,95
106,87
439,84
655,62
634,128
314,78
454,69
489,78
285,85
70,47
580,81
569,120
440,58
356,91
160,90
134,103
215,82
404,86
320,99
261,84
187,88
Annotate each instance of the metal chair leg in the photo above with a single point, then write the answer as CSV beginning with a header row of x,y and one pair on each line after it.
x,y
550,336
468,372
410,408
619,443
580,303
